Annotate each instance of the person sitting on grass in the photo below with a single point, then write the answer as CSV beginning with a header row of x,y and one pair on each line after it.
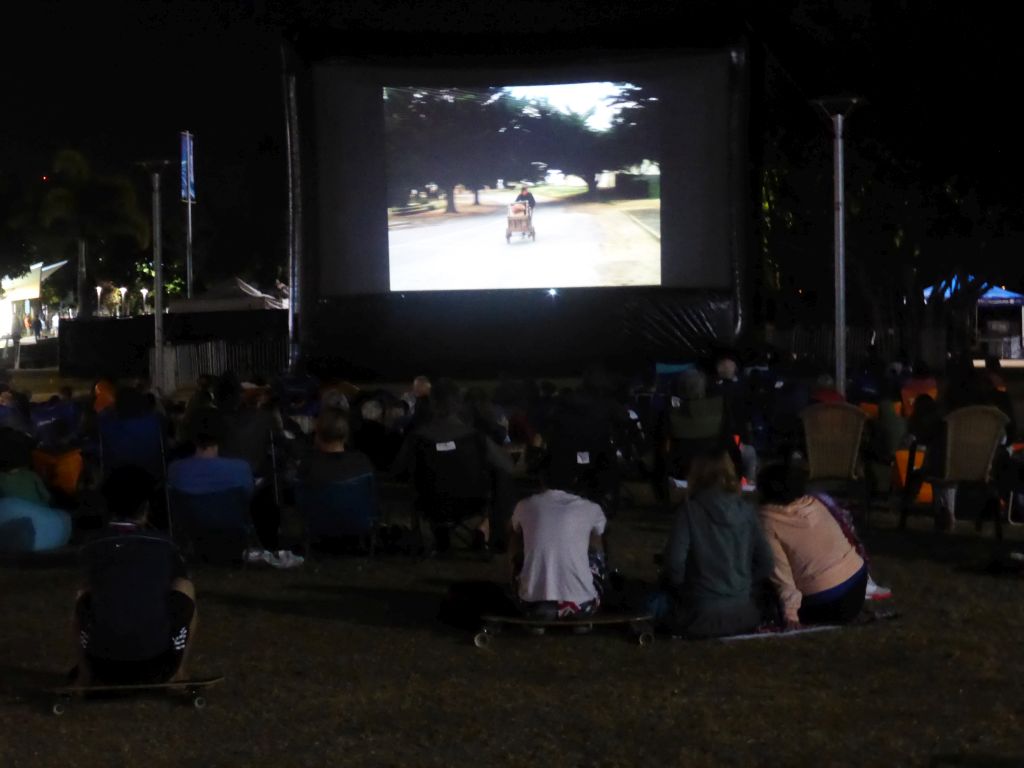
x,y
819,575
717,555
135,615
557,555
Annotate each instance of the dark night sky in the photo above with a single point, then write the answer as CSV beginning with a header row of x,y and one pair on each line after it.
x,y
119,79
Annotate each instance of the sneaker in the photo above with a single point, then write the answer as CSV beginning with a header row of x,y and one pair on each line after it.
x,y
256,555
285,559
876,592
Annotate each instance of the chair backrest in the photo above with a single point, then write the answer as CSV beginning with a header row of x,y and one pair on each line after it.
x,y
972,436
581,455
342,508
696,419
52,423
451,469
213,526
248,435
134,442
833,433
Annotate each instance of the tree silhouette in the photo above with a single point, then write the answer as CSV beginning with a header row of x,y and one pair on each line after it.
x,y
77,211
454,136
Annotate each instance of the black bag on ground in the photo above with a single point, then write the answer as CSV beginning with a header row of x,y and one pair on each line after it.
x,y
467,601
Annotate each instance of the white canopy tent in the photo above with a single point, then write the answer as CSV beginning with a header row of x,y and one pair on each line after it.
x,y
26,288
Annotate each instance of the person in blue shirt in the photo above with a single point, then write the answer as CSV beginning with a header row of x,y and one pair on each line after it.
x,y
206,471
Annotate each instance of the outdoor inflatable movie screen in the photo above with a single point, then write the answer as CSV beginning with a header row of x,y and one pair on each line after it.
x,y
438,181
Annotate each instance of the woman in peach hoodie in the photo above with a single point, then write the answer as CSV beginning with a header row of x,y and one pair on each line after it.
x,y
818,574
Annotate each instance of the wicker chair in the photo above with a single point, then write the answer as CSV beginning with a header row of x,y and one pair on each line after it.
x,y
973,435
833,434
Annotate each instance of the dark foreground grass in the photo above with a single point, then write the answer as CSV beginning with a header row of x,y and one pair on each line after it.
x,y
343,663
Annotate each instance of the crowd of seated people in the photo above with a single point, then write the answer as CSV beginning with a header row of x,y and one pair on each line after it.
x,y
729,567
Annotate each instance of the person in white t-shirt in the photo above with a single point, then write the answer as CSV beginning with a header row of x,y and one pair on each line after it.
x,y
557,555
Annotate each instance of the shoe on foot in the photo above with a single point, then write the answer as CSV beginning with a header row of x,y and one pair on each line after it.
x,y
876,592
286,559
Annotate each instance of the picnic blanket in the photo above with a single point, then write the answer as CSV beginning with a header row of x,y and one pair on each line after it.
x,y
866,617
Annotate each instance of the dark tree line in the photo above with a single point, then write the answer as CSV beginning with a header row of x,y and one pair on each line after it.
x,y
926,200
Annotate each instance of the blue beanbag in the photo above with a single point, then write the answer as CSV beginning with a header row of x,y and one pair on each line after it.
x,y
28,527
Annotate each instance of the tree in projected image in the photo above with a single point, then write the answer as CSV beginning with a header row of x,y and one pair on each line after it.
x,y
455,136
450,137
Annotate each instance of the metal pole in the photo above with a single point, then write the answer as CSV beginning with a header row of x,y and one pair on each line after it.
x,y
295,294
158,290
83,311
840,265
188,246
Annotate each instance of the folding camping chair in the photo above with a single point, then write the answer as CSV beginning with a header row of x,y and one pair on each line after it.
x,y
347,508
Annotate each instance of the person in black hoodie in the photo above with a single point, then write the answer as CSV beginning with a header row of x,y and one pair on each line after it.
x,y
718,557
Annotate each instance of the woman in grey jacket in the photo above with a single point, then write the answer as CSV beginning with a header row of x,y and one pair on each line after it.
x,y
717,555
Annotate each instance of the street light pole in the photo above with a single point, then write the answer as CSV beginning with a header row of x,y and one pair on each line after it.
x,y
157,374
158,290
836,110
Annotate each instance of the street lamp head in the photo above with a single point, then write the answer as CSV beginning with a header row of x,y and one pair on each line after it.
x,y
839,105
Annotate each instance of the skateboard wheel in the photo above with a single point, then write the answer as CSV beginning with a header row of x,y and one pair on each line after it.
x,y
481,640
645,639
59,708
198,701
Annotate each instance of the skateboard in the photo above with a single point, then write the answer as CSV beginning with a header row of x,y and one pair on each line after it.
x,y
639,626
192,688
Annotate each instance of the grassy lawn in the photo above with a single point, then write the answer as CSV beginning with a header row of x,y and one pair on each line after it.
x,y
342,662
554,192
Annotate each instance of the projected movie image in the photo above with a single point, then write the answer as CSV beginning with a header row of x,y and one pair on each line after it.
x,y
550,186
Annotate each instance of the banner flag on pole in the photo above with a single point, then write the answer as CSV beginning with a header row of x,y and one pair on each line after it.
x,y
188,168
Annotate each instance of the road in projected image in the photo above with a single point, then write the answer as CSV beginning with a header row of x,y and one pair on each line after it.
x,y
577,244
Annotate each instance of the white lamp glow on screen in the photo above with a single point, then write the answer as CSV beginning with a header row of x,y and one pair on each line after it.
x,y
144,292
122,290
99,292
552,292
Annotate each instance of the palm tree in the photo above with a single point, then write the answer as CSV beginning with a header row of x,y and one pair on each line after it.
x,y
87,211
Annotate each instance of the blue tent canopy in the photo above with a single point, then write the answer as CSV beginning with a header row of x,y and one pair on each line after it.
x,y
996,296
993,296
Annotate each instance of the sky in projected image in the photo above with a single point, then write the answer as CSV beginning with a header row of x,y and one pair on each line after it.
x,y
457,159
595,99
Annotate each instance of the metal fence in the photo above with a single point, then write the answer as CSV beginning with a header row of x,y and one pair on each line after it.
x,y
815,345
251,359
